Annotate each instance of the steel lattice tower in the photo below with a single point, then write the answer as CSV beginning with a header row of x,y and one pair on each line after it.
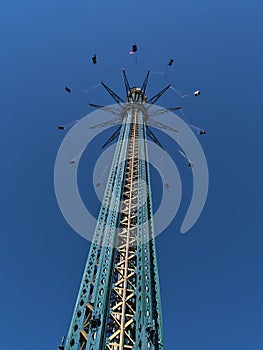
x,y
118,305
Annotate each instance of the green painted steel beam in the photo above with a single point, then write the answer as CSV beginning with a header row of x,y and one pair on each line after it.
x,y
90,324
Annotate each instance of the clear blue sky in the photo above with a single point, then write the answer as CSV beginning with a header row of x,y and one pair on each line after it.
x,y
211,278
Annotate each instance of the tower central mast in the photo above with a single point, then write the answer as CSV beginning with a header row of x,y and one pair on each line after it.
x,y
118,305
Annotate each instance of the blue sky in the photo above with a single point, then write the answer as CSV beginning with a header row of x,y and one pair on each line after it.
x,y
211,278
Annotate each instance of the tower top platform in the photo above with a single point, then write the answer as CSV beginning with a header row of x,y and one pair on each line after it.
x,y
136,94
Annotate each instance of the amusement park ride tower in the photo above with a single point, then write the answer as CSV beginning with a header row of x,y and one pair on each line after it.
x,y
118,305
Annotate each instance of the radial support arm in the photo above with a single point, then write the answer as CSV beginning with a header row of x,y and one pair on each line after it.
x,y
117,98
144,84
126,82
158,95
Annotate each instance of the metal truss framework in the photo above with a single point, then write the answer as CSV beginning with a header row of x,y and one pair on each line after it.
x,y
118,305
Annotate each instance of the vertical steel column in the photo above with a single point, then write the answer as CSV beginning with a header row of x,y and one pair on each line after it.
x,y
118,305
101,250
